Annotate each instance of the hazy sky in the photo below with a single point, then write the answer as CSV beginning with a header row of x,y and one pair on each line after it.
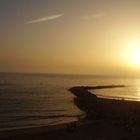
x,y
70,36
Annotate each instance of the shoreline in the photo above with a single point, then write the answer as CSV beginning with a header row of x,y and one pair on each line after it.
x,y
101,121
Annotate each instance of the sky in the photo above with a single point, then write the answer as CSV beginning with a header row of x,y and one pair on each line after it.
x,y
70,36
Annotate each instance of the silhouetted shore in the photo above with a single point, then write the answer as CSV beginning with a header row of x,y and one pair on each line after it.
x,y
102,107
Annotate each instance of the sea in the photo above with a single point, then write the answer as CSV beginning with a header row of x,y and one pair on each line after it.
x,y
34,100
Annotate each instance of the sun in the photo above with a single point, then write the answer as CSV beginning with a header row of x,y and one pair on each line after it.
x,y
132,53
136,55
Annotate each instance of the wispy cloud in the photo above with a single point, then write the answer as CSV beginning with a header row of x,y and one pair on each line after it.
x,y
94,16
43,19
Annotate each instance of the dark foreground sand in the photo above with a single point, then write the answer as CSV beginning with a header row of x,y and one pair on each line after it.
x,y
93,130
101,124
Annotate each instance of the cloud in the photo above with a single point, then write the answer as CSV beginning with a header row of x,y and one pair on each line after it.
x,y
94,16
43,19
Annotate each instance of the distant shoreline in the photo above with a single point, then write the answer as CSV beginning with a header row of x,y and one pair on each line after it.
x,y
69,74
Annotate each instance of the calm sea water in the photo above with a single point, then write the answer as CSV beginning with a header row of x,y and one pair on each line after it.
x,y
30,100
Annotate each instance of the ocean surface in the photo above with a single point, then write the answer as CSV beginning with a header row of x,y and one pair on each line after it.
x,y
31,100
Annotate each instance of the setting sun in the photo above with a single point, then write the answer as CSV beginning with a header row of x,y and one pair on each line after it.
x,y
136,56
132,53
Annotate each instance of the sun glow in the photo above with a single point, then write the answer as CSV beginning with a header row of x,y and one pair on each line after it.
x,y
136,56
132,53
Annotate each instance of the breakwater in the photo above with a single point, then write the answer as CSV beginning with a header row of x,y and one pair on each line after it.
x,y
102,107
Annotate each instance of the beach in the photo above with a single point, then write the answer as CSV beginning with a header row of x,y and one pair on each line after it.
x,y
100,123
85,130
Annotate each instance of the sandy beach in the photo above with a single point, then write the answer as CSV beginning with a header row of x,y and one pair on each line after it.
x,y
101,122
